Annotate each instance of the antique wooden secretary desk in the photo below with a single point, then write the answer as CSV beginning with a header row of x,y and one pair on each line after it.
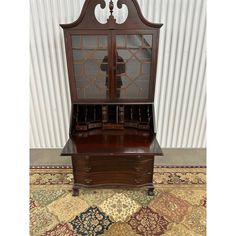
x,y
112,73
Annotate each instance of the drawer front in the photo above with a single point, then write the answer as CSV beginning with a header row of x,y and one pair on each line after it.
x,y
113,178
113,163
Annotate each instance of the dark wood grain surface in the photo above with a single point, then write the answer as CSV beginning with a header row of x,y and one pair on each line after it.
x,y
113,170
113,146
110,142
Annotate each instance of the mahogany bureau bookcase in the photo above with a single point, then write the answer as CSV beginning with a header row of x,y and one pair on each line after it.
x,y
112,74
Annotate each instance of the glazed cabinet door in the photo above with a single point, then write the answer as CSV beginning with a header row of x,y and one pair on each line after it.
x,y
90,66
133,65
113,65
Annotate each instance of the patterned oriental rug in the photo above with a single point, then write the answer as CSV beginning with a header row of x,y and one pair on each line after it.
x,y
177,209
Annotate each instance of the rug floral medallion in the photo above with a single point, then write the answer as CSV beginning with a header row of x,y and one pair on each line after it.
x,y
178,207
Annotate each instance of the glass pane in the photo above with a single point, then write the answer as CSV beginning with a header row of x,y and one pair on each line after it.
x,y
76,41
147,41
102,40
78,55
133,67
134,41
90,42
121,41
144,54
124,54
90,66
146,68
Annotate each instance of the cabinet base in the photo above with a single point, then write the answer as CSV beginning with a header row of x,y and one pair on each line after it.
x,y
151,192
76,188
113,171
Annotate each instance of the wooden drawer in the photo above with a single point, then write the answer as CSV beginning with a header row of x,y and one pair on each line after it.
x,y
112,163
113,178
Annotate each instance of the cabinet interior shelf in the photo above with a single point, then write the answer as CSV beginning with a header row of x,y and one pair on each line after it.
x,y
114,117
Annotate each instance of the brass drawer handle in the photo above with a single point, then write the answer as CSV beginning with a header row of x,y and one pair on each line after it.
x,y
138,169
88,181
137,181
87,169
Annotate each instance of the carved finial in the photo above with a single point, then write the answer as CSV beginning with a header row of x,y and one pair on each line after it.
x,y
111,6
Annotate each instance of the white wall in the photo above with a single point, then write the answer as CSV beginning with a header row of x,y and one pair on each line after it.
x,y
180,92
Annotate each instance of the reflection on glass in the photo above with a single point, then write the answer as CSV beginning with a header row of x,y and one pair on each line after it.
x,y
88,54
147,41
120,41
102,41
119,71
136,52
134,41
76,41
132,66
